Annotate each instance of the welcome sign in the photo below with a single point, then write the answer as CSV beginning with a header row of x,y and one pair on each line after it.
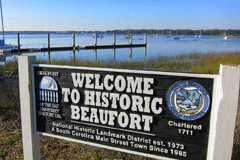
x,y
149,113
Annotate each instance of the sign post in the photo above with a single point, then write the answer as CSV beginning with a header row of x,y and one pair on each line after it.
x,y
31,144
162,115
223,122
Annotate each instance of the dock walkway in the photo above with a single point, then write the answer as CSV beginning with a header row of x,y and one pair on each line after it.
x,y
66,48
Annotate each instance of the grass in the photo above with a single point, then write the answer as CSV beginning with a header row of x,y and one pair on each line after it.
x,y
52,148
9,100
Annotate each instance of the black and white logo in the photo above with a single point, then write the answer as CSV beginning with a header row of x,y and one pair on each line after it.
x,y
48,90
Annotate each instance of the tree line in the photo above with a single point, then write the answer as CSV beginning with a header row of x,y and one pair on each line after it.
x,y
208,32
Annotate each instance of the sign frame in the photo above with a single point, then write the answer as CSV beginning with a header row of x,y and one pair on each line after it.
x,y
217,97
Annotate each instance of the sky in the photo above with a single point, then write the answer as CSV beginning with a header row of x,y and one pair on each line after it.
x,y
91,15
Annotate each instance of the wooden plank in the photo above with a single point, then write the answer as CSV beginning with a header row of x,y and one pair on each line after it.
x,y
115,46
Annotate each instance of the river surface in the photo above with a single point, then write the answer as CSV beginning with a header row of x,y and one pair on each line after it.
x,y
156,45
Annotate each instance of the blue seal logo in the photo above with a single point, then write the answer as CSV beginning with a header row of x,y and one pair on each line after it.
x,y
188,100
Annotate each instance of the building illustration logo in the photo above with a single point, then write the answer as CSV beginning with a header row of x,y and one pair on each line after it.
x,y
48,90
188,100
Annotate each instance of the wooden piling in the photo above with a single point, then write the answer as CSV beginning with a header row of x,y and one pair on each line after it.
x,y
74,55
73,40
18,41
145,39
131,52
114,53
130,38
95,54
48,39
95,39
114,39
49,58
145,51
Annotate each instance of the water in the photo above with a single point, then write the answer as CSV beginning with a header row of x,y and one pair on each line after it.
x,y
156,45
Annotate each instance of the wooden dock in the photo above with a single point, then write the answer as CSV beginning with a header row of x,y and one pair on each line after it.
x,y
67,48
73,47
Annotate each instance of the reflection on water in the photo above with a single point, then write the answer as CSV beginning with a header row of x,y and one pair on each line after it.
x,y
156,45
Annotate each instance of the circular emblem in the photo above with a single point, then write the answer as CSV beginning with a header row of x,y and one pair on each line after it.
x,y
188,100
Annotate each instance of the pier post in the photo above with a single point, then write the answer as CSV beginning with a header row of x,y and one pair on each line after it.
x,y
73,40
131,38
131,52
48,44
49,57
114,39
145,51
146,39
74,55
95,54
95,39
18,41
114,53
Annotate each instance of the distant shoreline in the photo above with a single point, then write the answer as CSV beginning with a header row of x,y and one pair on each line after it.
x,y
232,36
185,32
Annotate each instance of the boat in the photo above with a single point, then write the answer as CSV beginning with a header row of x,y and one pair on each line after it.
x,y
169,34
128,36
200,36
176,36
6,46
99,35
2,41
196,34
225,35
